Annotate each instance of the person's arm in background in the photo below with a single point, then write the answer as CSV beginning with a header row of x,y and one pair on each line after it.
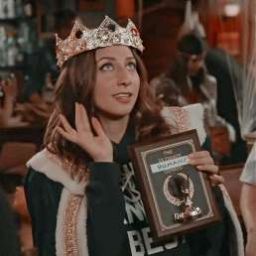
x,y
248,201
225,69
229,79
9,88
221,141
248,209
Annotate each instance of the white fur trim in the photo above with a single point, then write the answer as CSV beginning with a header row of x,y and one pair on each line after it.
x,y
59,233
232,213
81,226
168,116
46,165
82,229
51,167
195,118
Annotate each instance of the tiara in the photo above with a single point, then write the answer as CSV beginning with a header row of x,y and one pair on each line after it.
x,y
82,39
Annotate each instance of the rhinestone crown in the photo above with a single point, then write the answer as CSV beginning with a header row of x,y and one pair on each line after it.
x,y
108,33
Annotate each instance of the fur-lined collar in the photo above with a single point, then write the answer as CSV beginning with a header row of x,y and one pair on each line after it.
x,y
48,164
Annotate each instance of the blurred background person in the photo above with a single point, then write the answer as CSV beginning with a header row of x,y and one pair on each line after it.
x,y
194,84
8,93
229,76
9,241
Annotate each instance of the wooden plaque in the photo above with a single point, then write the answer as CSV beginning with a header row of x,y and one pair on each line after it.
x,y
177,197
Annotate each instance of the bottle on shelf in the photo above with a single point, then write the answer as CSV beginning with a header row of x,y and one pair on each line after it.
x,y
18,37
1,10
11,51
7,9
11,9
20,53
28,8
19,9
4,9
3,40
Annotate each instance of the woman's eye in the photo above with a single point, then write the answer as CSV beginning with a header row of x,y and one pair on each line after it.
x,y
132,66
107,67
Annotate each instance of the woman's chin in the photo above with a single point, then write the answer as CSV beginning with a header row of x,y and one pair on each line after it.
x,y
115,115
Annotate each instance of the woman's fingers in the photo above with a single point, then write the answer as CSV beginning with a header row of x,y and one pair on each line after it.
x,y
212,168
66,135
97,145
97,127
199,154
216,179
203,161
81,118
200,158
65,124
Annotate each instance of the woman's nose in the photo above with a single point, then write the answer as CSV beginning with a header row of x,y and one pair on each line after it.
x,y
124,77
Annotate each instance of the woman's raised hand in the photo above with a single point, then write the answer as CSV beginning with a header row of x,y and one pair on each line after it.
x,y
97,144
204,162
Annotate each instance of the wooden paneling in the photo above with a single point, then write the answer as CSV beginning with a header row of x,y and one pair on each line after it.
x,y
159,32
125,9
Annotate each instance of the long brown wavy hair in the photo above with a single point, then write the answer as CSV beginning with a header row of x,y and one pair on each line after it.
x,y
76,84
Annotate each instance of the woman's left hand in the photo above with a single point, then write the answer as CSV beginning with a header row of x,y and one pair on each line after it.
x,y
203,161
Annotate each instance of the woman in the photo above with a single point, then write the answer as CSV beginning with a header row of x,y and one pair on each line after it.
x,y
81,191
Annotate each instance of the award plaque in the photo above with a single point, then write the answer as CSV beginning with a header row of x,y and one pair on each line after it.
x,y
176,196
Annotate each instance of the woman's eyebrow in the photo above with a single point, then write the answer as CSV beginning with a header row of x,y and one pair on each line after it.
x,y
130,58
113,58
105,57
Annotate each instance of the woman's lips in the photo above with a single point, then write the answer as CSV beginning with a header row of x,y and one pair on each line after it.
x,y
123,97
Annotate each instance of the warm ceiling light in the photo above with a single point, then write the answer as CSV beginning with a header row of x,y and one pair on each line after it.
x,y
232,10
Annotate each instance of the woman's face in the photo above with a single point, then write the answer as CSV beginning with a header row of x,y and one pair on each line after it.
x,y
117,82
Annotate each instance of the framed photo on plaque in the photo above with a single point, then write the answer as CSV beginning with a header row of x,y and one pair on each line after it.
x,y
177,197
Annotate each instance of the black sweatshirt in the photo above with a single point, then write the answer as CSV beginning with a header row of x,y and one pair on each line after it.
x,y
117,223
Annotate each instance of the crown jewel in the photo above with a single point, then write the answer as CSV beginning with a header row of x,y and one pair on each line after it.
x,y
83,39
